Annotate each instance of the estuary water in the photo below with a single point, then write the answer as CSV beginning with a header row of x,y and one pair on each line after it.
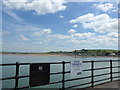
x,y
9,71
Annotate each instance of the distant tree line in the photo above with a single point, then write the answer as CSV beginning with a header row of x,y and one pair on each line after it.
x,y
18,53
82,52
87,52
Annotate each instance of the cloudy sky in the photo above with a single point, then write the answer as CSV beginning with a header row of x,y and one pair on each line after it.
x,y
40,26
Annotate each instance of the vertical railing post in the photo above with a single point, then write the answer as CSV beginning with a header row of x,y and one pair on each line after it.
x,y
63,75
92,73
16,76
111,71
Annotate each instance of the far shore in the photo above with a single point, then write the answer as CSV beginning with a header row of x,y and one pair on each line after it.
x,y
45,54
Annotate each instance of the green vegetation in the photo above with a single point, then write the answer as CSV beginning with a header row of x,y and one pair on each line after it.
x,y
18,53
83,52
88,52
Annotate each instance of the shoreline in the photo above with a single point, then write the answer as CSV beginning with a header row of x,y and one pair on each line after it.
x,y
41,54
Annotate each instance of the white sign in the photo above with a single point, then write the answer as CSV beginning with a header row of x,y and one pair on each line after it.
x,y
76,68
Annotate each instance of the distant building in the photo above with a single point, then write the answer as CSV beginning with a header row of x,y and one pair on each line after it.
x,y
112,54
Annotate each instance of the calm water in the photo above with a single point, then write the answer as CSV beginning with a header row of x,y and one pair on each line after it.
x,y
9,71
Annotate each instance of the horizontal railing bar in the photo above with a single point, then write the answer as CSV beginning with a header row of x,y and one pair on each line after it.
x,y
7,88
86,61
48,84
101,80
96,61
101,83
67,62
78,85
11,64
67,72
30,63
52,74
77,78
59,73
101,68
107,61
7,78
102,61
55,73
57,62
117,77
101,74
24,87
24,63
52,62
29,76
82,70
115,72
116,67
24,76
87,70
55,82
116,60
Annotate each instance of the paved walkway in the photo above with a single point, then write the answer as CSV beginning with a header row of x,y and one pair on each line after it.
x,y
114,85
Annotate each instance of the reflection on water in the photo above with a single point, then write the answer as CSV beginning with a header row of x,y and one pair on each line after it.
x,y
9,71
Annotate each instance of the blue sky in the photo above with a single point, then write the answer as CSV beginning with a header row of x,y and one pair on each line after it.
x,y
53,26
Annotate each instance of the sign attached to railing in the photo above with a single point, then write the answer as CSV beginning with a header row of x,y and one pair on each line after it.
x,y
76,68
39,74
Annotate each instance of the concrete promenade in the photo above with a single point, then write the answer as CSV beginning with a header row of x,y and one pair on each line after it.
x,y
114,85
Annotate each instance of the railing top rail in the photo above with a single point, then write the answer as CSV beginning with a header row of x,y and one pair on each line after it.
x,y
107,60
11,64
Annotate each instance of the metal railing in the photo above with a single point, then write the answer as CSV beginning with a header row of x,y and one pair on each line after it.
x,y
63,81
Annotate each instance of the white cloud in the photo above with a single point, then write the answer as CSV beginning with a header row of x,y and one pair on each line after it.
x,y
71,31
101,23
39,42
47,30
75,26
83,18
59,36
12,14
113,35
22,37
42,32
104,7
73,41
92,0
84,35
92,40
61,16
78,40
40,7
